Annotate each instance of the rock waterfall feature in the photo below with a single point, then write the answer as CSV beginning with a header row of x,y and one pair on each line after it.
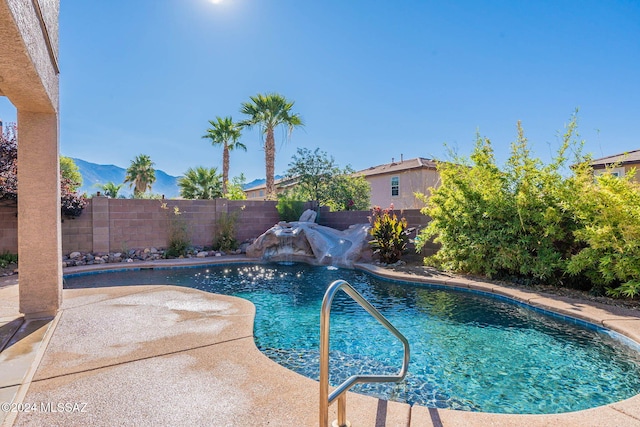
x,y
312,243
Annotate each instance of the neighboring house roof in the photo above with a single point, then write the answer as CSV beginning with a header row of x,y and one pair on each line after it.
x,y
279,183
256,187
622,159
402,165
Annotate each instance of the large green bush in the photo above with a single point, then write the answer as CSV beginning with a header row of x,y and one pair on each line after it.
x,y
509,221
531,221
609,209
289,206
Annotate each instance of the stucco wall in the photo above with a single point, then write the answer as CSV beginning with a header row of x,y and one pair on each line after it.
x,y
29,68
411,181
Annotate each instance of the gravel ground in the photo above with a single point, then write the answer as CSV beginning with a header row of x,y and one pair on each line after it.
x,y
8,270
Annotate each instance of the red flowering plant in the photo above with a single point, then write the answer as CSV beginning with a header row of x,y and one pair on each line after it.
x,y
71,202
390,234
9,163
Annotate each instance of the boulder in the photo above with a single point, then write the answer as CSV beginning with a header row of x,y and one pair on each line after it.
x,y
308,216
312,243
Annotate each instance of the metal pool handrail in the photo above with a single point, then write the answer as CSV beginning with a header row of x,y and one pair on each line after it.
x,y
339,393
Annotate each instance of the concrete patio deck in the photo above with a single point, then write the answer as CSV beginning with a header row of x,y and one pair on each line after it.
x,y
173,356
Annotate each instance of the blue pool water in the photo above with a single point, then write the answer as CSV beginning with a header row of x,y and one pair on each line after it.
x,y
468,351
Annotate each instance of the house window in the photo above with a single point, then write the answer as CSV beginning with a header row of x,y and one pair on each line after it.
x,y
395,186
261,193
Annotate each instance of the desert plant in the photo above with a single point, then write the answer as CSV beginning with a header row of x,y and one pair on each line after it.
x,y
225,239
7,258
179,240
390,235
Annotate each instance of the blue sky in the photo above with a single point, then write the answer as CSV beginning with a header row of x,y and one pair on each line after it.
x,y
371,79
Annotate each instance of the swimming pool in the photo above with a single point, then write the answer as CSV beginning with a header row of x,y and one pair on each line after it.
x,y
468,352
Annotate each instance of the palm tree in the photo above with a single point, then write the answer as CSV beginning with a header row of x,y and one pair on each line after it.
x,y
270,111
226,133
110,189
140,174
200,183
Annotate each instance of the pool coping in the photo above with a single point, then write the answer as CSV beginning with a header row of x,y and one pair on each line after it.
x,y
618,319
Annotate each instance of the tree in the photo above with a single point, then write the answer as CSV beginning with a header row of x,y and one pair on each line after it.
x,y
515,221
140,174
319,178
268,112
69,170
313,171
235,189
349,192
9,163
110,189
608,207
201,183
225,133
71,203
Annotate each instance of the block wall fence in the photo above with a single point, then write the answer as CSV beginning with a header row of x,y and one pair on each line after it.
x,y
116,225
342,220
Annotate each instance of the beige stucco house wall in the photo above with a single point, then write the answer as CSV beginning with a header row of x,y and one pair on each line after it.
x,y
259,192
397,182
619,164
29,79
391,183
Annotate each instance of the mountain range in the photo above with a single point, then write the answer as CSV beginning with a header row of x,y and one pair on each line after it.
x,y
94,174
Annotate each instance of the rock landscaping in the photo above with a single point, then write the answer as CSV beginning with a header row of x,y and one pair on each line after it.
x,y
77,258
147,254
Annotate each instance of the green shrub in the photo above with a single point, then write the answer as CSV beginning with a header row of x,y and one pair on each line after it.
x,y
389,234
179,240
609,208
514,221
529,221
289,207
225,232
7,258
